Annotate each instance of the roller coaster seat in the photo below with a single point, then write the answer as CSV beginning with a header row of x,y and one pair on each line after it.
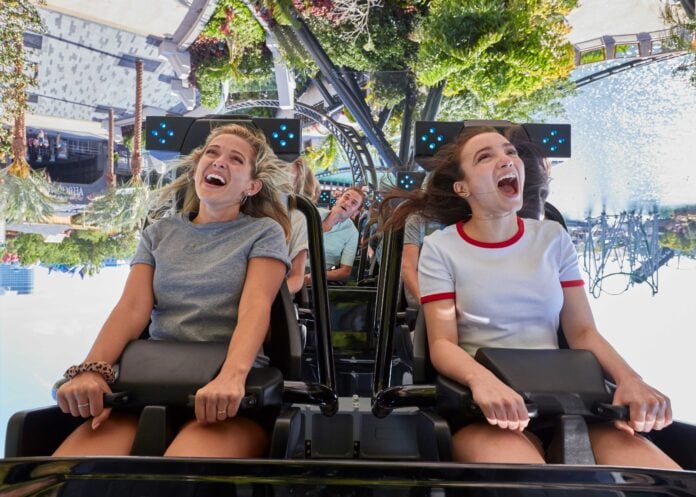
x,y
38,432
562,388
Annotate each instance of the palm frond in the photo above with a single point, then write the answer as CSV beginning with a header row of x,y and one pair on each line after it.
x,y
26,200
122,209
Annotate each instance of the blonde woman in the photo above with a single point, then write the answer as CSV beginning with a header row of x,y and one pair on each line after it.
x,y
209,272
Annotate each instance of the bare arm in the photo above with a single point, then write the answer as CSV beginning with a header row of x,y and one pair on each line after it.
x,y
83,395
340,274
224,393
500,404
128,319
409,269
296,276
649,409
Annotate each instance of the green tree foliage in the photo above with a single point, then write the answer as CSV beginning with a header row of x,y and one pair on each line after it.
x,y
5,142
87,248
383,47
387,88
28,199
680,232
684,37
546,102
495,55
325,156
246,62
16,18
386,45
122,209
294,54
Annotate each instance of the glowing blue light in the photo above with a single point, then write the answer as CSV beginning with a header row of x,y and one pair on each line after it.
x,y
545,140
561,140
283,143
162,141
432,130
154,132
424,138
554,148
163,124
291,135
554,132
440,138
431,146
283,127
275,135
170,132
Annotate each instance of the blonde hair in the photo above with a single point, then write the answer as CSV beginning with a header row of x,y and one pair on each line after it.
x,y
305,182
180,195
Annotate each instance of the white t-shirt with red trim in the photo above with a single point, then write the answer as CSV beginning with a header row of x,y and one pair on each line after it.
x,y
507,294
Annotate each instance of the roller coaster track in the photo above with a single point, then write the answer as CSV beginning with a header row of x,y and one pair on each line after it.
x,y
623,247
632,64
361,165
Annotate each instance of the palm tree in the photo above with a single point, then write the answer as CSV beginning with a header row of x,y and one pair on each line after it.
x,y
110,173
19,167
137,158
25,196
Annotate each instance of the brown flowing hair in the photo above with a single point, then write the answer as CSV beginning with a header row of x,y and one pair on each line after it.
x,y
437,200
273,173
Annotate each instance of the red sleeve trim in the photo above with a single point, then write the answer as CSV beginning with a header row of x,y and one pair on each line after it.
x,y
570,283
437,296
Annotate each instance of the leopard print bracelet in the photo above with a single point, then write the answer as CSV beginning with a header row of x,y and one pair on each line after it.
x,y
100,367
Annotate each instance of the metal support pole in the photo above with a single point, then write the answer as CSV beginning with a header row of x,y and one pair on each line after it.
x,y
345,88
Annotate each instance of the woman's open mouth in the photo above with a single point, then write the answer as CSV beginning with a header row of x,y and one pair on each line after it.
x,y
215,180
509,185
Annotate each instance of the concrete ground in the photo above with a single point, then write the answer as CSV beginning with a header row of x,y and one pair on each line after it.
x,y
596,18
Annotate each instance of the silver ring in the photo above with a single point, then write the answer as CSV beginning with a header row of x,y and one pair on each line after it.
x,y
83,405
222,412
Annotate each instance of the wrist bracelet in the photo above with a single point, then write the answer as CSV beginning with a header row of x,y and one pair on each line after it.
x,y
99,367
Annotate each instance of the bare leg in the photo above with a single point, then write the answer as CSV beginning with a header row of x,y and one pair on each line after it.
x,y
114,437
481,442
236,437
614,447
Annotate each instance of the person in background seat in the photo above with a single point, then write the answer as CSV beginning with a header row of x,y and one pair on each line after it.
x,y
304,183
340,235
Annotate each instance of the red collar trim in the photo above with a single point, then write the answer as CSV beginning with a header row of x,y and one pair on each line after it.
x,y
504,243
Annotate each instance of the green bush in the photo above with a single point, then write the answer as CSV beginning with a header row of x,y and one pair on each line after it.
x,y
84,247
245,62
591,56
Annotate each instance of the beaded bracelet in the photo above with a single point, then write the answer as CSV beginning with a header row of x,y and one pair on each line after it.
x,y
100,367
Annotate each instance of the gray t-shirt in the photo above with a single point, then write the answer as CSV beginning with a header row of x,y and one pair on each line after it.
x,y
200,271
416,229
